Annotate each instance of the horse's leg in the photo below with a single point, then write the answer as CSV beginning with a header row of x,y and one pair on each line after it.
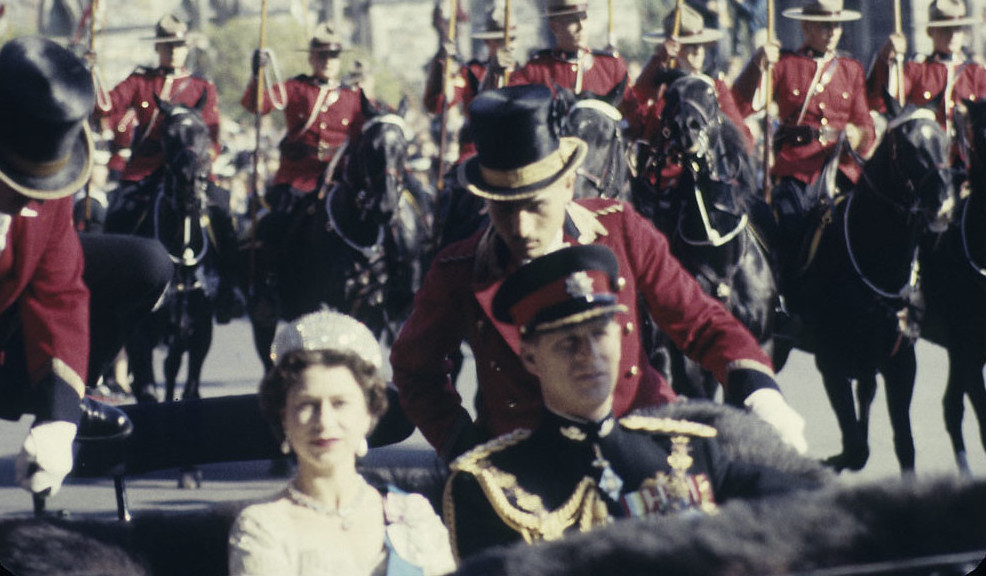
x,y
953,404
898,375
263,321
865,393
838,388
199,344
172,364
140,354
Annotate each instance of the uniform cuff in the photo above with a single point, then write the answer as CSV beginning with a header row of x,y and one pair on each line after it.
x,y
744,381
57,400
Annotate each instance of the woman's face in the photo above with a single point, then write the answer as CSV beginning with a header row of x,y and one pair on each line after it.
x,y
325,418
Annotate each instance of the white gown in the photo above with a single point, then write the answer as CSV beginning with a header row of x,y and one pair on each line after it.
x,y
279,537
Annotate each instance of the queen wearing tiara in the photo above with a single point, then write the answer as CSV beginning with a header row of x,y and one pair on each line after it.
x,y
322,399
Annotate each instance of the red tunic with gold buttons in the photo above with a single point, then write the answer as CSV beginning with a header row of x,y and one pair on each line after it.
x,y
838,99
925,81
465,87
601,73
454,305
318,121
137,93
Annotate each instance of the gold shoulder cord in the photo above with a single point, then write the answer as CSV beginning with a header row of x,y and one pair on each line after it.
x,y
667,426
529,517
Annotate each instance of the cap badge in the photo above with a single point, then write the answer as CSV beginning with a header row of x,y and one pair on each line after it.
x,y
579,285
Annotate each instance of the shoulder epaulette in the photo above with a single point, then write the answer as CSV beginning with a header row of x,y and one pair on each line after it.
x,y
470,461
669,426
611,209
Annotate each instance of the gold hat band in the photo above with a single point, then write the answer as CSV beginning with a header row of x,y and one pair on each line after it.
x,y
525,175
38,169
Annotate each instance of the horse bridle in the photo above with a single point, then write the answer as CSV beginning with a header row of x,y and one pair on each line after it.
x,y
390,171
603,181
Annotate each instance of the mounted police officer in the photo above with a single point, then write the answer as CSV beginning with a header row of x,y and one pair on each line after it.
x,y
946,74
526,174
139,93
321,116
820,95
66,306
571,63
582,467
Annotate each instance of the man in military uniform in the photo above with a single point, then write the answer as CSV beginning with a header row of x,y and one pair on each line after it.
x,y
321,115
571,63
945,74
139,92
581,467
684,51
472,77
820,94
526,174
46,273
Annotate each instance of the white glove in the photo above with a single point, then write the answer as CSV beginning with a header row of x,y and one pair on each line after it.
x,y
770,406
46,457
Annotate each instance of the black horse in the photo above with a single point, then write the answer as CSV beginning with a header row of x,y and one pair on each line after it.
x,y
860,295
199,238
360,245
709,214
954,282
596,120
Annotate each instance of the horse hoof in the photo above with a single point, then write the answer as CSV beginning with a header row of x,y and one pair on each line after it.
x,y
853,461
190,479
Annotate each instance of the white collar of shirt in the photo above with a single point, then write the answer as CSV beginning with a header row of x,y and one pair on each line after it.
x,y
5,220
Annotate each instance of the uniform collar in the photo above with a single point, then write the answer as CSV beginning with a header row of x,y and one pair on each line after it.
x,y
946,58
566,55
815,54
174,72
575,429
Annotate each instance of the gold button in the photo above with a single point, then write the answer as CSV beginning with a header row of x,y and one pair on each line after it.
x,y
345,121
820,89
927,95
845,95
325,108
575,68
511,403
972,97
633,371
144,104
321,125
825,121
821,105
621,283
628,328
797,92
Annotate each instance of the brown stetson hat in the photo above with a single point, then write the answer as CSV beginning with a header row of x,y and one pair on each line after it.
x,y
823,11
325,39
948,14
46,96
691,29
170,29
494,26
554,8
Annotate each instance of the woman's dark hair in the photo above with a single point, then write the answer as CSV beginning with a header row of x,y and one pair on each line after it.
x,y
286,374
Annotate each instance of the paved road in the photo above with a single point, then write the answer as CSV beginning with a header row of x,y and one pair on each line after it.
x,y
233,368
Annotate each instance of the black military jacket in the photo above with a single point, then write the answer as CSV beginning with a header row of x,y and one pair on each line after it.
x,y
574,476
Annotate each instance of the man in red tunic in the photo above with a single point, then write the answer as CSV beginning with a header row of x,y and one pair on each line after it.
x,y
820,93
46,97
472,77
945,73
526,174
571,63
139,92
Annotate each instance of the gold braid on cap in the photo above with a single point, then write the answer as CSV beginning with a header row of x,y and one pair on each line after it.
x,y
541,170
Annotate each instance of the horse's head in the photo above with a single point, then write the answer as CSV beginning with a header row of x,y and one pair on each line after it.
x,y
594,119
912,166
186,145
691,119
380,161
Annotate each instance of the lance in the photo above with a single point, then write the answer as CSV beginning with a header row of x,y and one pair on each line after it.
x,y
103,101
257,157
611,31
506,37
446,98
897,69
676,29
768,97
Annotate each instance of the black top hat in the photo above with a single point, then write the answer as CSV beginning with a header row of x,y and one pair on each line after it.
x,y
518,150
46,97
562,288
